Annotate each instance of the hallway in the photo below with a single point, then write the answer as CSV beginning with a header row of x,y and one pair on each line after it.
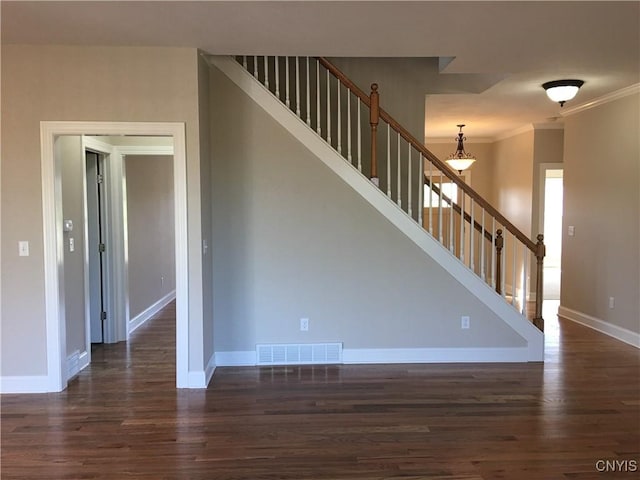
x,y
123,418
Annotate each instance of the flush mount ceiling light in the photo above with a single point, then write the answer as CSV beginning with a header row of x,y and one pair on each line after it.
x,y
562,90
460,160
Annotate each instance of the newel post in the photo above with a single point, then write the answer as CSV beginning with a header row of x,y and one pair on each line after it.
x,y
538,321
499,241
373,121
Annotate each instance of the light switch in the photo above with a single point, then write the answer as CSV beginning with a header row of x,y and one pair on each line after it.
x,y
72,244
571,230
23,248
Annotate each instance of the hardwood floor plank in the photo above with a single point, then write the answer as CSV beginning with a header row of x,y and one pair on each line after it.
x,y
123,418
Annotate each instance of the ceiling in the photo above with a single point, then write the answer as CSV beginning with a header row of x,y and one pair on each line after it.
x,y
517,45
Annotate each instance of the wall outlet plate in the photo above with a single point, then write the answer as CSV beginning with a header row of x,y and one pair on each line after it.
x,y
304,324
465,322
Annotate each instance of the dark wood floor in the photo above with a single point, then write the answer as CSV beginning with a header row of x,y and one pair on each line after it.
x,y
123,418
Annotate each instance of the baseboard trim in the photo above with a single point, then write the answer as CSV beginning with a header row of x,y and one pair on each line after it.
x,y
150,311
400,355
614,331
201,379
25,384
236,359
436,355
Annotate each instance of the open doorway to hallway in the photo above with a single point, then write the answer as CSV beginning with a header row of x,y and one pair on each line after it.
x,y
552,196
66,262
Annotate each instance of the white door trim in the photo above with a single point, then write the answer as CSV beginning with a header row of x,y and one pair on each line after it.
x,y
53,245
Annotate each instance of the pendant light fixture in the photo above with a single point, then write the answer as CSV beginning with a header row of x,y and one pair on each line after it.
x,y
562,91
460,160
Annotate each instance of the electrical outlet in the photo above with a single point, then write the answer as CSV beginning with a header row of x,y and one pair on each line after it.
x,y
162,281
304,324
612,302
465,322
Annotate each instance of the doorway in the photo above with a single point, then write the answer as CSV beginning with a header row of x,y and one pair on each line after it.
x,y
95,245
551,186
55,240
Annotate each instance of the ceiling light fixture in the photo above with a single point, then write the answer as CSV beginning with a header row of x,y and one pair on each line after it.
x,y
460,160
562,90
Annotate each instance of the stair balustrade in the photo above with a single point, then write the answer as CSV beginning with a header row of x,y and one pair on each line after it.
x,y
421,184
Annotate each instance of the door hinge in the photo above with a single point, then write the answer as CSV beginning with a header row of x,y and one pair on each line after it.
x,y
103,316
101,247
99,178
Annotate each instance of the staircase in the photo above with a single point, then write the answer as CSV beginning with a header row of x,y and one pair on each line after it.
x,y
409,177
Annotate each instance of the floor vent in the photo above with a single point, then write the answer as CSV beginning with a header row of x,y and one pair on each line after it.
x,y
299,354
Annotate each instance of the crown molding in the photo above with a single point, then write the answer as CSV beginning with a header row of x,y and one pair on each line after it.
x,y
610,97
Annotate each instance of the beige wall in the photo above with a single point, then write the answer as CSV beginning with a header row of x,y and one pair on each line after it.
x,y
150,230
513,179
293,240
548,147
92,84
601,200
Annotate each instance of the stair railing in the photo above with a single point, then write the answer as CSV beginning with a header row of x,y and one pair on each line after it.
x,y
421,184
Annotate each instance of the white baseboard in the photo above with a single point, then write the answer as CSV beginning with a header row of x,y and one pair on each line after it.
x,y
236,359
399,355
25,384
435,355
150,311
76,363
201,379
619,333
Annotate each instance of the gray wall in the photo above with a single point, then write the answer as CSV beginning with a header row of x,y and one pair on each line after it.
x,y
602,202
61,83
69,153
150,228
292,240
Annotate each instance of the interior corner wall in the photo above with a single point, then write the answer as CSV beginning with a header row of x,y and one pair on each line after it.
x,y
601,202
293,240
77,83
548,147
204,114
72,162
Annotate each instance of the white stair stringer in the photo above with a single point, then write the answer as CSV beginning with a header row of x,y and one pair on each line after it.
x,y
389,209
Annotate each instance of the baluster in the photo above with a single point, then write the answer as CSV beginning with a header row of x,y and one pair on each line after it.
x,y
421,191
287,100
388,160
525,261
359,132
483,273
409,182
472,262
318,125
328,108
298,86
339,121
398,188
266,71
308,98
514,290
349,126
255,66
538,321
276,61
462,236
374,115
244,62
452,246
499,243
440,232
430,193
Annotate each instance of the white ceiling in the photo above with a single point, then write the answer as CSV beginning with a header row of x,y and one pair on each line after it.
x,y
519,44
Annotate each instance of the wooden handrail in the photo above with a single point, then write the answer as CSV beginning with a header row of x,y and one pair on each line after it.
x,y
458,210
345,80
404,133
